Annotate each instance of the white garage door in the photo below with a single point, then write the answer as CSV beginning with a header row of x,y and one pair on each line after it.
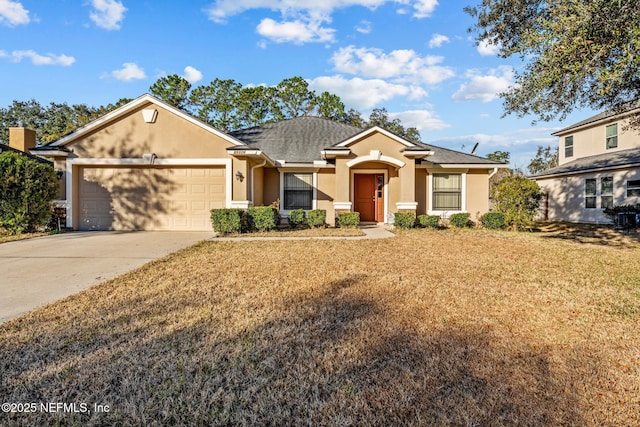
x,y
145,198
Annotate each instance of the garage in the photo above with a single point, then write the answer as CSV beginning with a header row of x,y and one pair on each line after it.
x,y
149,198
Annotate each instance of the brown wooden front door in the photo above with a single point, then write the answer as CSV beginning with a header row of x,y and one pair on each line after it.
x,y
369,197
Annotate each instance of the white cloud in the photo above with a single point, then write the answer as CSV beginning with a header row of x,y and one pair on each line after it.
x,y
38,59
297,31
129,71
12,13
364,27
485,87
438,40
107,14
404,64
487,48
424,8
191,74
420,119
364,94
302,20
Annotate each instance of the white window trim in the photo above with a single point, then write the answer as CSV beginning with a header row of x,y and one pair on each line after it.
x,y
627,188
88,162
463,192
385,188
314,202
606,137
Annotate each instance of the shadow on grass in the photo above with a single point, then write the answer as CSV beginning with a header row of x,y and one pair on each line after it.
x,y
588,233
333,356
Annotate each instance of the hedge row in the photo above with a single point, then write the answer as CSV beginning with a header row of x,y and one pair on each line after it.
x,y
492,220
262,218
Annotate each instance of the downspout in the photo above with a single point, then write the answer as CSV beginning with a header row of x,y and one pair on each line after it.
x,y
264,162
495,171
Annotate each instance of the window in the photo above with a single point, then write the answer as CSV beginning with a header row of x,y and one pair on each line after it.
x,y
590,193
447,192
606,192
298,191
568,146
612,136
633,188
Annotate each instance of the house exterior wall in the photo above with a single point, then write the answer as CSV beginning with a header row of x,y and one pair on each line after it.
x,y
271,189
592,140
422,192
477,192
325,193
565,196
258,186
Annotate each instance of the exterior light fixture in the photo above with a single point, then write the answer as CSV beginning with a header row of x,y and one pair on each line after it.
x,y
239,176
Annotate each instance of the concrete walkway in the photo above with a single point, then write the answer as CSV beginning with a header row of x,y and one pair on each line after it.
x,y
35,272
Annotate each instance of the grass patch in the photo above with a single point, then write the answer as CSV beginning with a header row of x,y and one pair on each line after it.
x,y
304,232
6,237
448,327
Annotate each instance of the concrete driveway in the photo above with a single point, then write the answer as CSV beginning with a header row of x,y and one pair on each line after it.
x,y
35,272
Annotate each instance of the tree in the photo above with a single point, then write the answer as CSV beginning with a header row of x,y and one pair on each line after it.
x,y
380,117
26,188
217,103
172,89
28,113
330,107
546,158
257,105
499,156
577,53
518,198
295,97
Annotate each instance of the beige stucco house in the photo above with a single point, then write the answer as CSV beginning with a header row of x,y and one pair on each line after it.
x,y
148,165
598,167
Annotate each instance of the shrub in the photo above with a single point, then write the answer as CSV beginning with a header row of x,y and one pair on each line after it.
x,y
297,217
492,220
429,221
263,218
317,218
26,189
226,221
348,219
613,211
460,220
518,198
404,219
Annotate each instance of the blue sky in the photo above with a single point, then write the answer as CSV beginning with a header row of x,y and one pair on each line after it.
x,y
413,57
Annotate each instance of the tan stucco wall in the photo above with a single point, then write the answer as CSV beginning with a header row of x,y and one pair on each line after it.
x,y
591,141
477,192
325,193
271,186
258,186
565,196
421,191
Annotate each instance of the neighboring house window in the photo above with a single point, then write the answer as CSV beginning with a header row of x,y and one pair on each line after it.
x,y
568,146
590,193
298,191
447,192
606,192
633,188
612,136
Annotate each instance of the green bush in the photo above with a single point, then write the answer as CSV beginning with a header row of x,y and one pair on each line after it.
x,y
348,219
492,220
613,211
404,219
317,218
429,221
26,190
297,217
460,220
226,221
263,218
518,198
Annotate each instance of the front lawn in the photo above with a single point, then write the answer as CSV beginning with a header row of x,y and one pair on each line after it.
x,y
451,327
6,237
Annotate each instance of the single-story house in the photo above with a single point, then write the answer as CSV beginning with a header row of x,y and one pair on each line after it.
x,y
148,165
598,167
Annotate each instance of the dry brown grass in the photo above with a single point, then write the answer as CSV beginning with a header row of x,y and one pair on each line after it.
x,y
6,237
428,328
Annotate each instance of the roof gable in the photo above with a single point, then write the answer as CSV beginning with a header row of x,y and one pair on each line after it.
x,y
368,132
128,108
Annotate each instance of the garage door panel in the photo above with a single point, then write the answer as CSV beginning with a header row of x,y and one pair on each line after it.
x,y
150,198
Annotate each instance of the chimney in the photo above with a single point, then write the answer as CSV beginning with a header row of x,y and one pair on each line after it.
x,y
22,139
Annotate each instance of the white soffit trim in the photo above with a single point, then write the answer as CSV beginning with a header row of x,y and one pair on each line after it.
x,y
146,98
372,130
375,156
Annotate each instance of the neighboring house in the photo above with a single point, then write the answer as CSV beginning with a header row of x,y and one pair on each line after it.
x,y
598,167
148,165
21,141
